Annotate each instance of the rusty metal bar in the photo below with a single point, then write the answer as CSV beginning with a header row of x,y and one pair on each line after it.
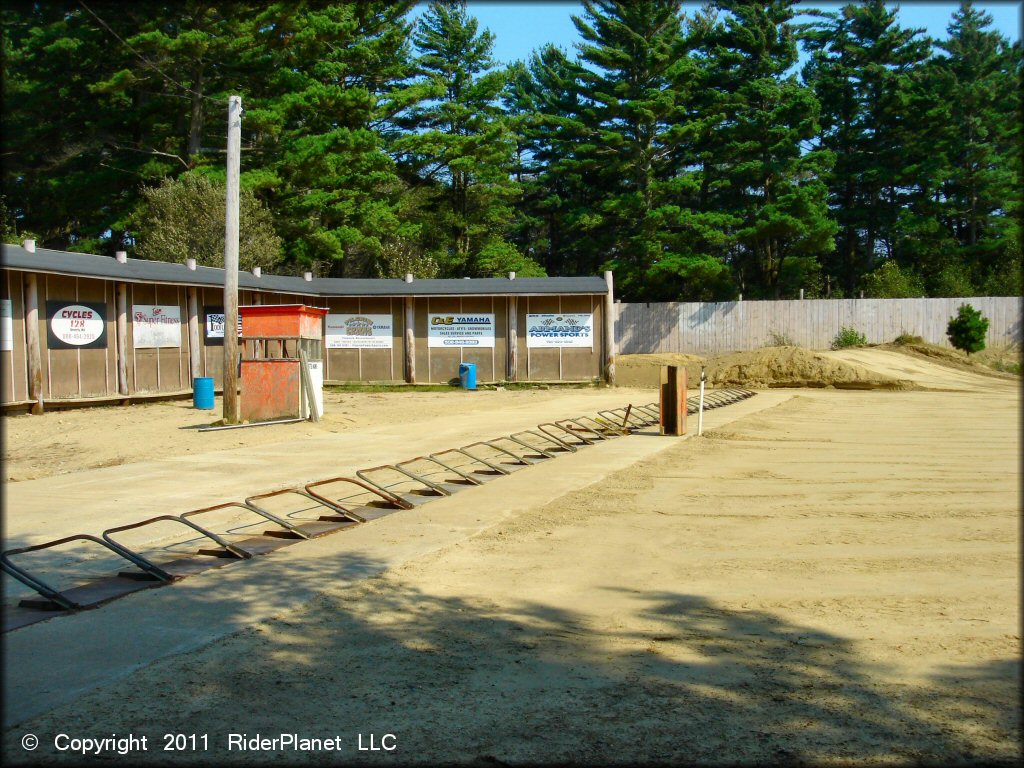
x,y
388,497
227,546
493,444
571,446
56,596
362,475
472,460
439,487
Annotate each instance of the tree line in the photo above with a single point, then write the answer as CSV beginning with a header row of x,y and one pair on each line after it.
x,y
694,154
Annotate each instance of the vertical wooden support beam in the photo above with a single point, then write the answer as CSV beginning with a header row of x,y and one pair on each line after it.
x,y
122,339
35,354
672,403
609,331
513,339
194,347
231,261
410,341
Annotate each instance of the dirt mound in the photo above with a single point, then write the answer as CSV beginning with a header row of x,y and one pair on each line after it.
x,y
758,369
794,367
998,360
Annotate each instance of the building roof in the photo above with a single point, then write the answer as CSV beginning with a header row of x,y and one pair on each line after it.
x,y
48,261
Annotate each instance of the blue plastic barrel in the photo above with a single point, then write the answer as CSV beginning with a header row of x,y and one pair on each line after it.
x,y
202,392
467,375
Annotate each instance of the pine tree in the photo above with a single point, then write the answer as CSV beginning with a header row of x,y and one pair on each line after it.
x,y
865,69
978,202
757,171
318,121
459,147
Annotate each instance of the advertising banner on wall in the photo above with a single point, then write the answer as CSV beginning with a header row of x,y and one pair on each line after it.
x,y
358,332
76,325
561,329
6,326
214,333
460,330
155,325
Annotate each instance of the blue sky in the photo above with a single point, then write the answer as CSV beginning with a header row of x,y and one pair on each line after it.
x,y
521,26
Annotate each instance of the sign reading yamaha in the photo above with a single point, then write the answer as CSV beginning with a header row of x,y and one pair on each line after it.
x,y
76,325
561,329
460,330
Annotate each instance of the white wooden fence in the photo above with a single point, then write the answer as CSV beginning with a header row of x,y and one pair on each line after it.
x,y
712,328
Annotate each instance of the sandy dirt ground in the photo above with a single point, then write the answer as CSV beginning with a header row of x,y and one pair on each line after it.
x,y
830,580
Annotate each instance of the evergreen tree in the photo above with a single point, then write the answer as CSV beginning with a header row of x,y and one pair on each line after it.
x,y
978,202
334,81
634,148
459,145
757,172
865,69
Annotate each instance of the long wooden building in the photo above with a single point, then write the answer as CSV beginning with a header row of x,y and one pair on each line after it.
x,y
82,328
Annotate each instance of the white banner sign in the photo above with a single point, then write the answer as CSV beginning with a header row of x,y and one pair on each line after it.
x,y
156,326
560,330
6,326
358,332
460,330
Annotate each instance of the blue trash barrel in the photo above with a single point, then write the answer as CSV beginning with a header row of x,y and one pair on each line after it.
x,y
467,375
202,392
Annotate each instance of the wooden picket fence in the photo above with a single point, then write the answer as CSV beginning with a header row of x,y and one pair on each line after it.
x,y
733,326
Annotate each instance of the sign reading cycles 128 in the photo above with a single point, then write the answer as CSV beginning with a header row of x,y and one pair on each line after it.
x,y
76,325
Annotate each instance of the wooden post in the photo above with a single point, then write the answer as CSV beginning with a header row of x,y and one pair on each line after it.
x,y
513,339
122,339
609,331
35,355
410,341
194,347
231,262
672,403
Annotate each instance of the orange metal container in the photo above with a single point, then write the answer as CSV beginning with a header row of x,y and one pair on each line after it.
x,y
263,320
272,386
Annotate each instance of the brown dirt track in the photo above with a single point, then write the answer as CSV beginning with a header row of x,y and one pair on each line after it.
x,y
829,577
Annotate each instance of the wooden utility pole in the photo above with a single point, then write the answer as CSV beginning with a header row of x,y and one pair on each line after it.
x,y
231,262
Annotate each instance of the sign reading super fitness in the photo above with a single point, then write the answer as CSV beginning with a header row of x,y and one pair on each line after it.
x,y
76,325
358,332
156,325
460,330
560,330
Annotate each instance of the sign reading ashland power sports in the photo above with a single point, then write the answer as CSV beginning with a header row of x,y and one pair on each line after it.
x,y
358,332
560,330
460,330
76,325
155,325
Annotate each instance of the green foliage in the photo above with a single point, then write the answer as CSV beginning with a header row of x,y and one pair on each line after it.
x,y
889,281
678,150
780,339
967,329
906,338
849,337
184,218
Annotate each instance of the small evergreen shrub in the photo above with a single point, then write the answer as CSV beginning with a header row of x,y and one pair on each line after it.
x,y
967,330
849,337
